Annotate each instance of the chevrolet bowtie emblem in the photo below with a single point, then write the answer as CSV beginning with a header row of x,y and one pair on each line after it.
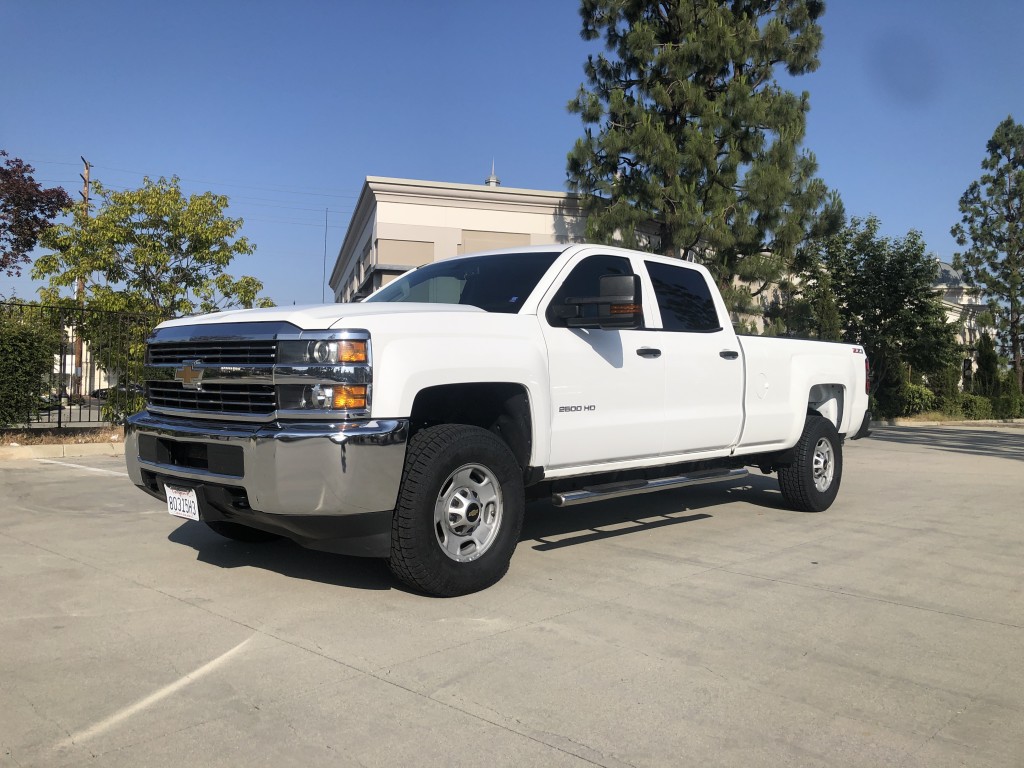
x,y
189,377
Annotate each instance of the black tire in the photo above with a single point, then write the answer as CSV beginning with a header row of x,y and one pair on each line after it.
x,y
239,532
459,512
811,482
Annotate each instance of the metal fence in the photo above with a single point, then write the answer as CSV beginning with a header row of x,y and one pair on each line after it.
x,y
66,366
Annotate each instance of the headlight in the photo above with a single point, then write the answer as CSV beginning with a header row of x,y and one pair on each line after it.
x,y
344,397
324,352
324,373
324,397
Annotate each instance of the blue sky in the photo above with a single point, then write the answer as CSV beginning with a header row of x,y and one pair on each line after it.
x,y
287,106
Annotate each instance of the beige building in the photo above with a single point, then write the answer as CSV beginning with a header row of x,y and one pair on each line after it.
x,y
962,304
403,223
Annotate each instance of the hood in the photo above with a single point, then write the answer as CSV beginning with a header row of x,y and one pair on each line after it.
x,y
315,316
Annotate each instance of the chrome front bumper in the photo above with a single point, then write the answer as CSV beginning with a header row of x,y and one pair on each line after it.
x,y
282,468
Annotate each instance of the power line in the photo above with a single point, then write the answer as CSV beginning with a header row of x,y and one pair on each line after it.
x,y
283,190
295,222
237,205
236,184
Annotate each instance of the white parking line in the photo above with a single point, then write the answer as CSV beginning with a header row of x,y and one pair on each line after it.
x,y
82,466
141,704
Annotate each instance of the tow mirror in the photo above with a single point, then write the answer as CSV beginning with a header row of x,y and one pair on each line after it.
x,y
618,306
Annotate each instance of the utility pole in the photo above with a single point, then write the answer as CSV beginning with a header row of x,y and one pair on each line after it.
x,y
323,283
76,383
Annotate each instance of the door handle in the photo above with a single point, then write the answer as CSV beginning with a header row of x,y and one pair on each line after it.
x,y
648,352
729,354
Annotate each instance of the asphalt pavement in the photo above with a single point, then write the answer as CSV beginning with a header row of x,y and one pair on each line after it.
x,y
700,627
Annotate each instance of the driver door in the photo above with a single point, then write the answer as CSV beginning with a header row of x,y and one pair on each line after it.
x,y
607,385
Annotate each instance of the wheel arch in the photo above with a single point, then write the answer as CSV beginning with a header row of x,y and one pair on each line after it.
x,y
828,401
503,408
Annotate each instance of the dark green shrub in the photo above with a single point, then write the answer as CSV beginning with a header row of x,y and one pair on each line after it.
x,y
986,378
121,403
916,399
945,383
975,406
1010,403
26,360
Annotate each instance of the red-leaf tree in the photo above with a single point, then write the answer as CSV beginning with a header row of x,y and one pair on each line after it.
x,y
26,211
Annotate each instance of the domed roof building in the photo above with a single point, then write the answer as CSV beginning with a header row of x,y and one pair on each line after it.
x,y
961,301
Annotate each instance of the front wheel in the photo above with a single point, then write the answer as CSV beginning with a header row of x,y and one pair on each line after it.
x,y
811,482
459,513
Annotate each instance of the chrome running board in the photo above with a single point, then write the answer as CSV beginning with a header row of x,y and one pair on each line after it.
x,y
633,487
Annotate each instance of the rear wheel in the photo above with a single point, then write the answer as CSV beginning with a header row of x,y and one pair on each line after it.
x,y
459,512
239,532
811,482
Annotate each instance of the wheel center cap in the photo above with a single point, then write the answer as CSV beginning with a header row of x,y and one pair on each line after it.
x,y
463,512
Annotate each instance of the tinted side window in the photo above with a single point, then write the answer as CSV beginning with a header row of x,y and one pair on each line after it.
x,y
585,280
683,298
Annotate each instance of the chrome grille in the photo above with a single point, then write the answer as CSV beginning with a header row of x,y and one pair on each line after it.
x,y
220,398
260,352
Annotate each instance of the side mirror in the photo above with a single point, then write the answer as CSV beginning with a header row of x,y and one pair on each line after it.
x,y
618,306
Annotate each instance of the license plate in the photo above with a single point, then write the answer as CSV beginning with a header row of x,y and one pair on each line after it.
x,y
182,502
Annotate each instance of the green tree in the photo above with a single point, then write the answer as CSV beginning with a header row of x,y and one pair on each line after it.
x,y
26,211
691,144
805,307
986,378
887,301
146,255
150,250
992,230
1010,402
27,350
828,323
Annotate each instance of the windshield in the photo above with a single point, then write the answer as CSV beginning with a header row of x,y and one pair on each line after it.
x,y
498,283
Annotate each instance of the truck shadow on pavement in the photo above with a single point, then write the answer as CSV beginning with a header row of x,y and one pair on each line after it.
x,y
287,558
548,527
545,528
974,441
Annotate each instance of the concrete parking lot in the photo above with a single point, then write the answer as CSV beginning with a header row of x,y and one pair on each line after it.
x,y
704,627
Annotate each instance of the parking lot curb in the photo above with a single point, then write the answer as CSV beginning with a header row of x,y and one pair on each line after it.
x,y
70,450
903,422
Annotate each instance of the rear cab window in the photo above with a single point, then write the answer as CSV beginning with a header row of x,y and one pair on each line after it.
x,y
684,298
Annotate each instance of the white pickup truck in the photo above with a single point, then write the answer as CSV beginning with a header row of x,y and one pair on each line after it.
x,y
416,424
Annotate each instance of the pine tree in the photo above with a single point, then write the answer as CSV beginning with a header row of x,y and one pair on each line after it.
x,y
992,229
691,145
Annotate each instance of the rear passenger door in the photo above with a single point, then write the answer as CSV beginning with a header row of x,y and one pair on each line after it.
x,y
703,361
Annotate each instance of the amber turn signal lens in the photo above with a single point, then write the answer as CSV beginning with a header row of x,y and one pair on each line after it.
x,y
352,352
625,309
351,397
